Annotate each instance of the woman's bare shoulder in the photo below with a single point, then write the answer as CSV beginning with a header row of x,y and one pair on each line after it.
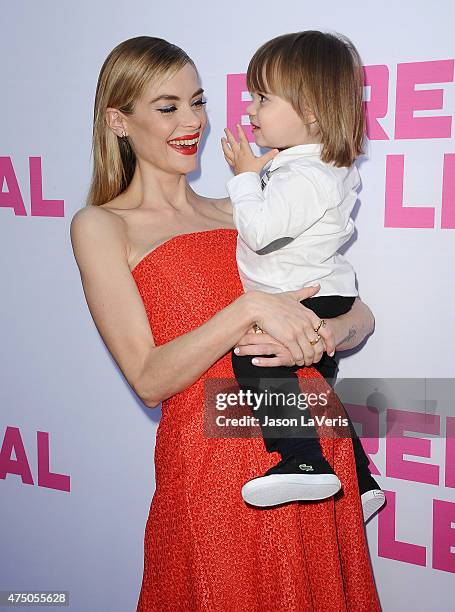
x,y
91,218
94,214
97,227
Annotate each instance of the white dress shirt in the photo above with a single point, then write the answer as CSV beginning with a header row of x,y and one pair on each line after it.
x,y
290,232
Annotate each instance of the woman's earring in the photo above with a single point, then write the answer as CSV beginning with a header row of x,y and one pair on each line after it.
x,y
124,136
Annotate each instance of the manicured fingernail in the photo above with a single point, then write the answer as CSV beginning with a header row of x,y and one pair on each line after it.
x,y
332,354
255,361
237,350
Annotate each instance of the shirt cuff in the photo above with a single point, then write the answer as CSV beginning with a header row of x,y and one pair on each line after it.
x,y
243,185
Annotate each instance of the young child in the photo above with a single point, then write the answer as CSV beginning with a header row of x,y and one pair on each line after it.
x,y
307,107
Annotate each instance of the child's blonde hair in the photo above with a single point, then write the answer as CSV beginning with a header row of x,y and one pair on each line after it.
x,y
319,73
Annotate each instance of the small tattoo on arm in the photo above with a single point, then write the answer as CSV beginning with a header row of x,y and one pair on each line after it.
x,y
351,334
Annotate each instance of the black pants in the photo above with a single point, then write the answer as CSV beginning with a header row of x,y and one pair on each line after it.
x,y
255,378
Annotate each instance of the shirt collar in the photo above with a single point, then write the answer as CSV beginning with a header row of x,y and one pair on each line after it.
x,y
292,153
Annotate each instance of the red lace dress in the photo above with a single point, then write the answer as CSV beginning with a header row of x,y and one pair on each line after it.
x,y
205,549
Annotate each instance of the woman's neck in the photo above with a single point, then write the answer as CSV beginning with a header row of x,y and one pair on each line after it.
x,y
155,189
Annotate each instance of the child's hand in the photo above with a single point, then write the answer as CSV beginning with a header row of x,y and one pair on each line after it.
x,y
239,154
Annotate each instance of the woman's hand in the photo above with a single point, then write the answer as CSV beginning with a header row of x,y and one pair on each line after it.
x,y
343,332
289,326
253,343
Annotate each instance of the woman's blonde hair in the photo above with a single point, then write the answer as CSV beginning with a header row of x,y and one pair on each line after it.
x,y
319,73
127,70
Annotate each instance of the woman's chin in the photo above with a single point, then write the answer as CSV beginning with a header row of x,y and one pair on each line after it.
x,y
184,161
190,164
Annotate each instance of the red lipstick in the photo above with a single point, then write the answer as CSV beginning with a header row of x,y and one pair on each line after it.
x,y
185,149
189,137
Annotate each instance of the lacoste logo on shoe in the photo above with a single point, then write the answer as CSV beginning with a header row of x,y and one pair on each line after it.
x,y
306,468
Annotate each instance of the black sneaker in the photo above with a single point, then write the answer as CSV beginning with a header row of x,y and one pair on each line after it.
x,y
292,479
371,496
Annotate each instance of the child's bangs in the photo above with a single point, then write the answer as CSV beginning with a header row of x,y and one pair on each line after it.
x,y
265,75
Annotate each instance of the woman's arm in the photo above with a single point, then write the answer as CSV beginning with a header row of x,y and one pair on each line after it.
x,y
353,327
154,372
158,372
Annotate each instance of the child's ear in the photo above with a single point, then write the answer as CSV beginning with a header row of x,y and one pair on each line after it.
x,y
309,118
311,123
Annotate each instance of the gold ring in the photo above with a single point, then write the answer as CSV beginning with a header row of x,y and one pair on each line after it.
x,y
313,342
257,329
321,324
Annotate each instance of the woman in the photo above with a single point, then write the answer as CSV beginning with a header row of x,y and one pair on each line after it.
x,y
154,256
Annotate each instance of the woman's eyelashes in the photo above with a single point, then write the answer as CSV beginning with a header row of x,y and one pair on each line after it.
x,y
171,109
200,102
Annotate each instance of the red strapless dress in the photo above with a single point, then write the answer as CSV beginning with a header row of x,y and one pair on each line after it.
x,y
205,549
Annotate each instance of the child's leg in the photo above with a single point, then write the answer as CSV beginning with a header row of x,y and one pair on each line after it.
x,y
372,496
328,367
303,473
280,380
258,379
291,448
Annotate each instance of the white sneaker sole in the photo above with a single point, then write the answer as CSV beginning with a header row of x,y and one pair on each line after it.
x,y
372,501
278,489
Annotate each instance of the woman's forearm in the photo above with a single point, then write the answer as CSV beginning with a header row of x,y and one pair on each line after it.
x,y
352,328
174,366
